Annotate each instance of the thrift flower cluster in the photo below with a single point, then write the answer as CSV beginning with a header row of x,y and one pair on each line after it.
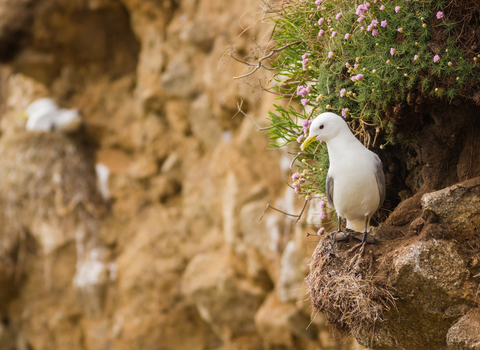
x,y
299,179
323,215
370,19
306,126
303,91
305,60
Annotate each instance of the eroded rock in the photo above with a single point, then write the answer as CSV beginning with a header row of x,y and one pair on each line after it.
x,y
225,299
426,265
433,275
465,333
457,206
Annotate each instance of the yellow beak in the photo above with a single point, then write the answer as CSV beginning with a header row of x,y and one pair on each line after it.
x,y
307,142
22,115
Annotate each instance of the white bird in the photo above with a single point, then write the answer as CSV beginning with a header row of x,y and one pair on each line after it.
x,y
44,115
355,184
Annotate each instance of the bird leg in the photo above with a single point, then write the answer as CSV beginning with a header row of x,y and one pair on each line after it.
x,y
365,238
340,236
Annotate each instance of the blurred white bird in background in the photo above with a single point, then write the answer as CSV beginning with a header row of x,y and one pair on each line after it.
x,y
44,115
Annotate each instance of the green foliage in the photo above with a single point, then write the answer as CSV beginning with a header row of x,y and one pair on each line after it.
x,y
358,60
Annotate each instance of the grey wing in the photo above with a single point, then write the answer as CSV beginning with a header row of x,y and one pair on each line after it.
x,y
380,177
329,190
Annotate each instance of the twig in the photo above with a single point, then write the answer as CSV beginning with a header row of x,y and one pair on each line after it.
x,y
285,213
239,106
269,90
260,60
301,213
295,158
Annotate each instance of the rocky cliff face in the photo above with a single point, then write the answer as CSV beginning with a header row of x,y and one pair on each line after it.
x,y
176,258
173,255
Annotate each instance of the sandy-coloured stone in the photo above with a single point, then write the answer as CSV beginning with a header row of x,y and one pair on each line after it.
x,y
458,205
465,334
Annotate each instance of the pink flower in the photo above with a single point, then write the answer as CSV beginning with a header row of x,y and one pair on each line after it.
x,y
319,232
382,8
400,30
360,19
306,125
367,5
339,15
415,57
322,215
369,27
304,101
317,2
330,54
397,9
299,140
320,21
302,91
374,23
436,58
357,77
342,92
322,204
374,32
383,23
305,55
360,10
347,65
320,33
305,62
392,51
344,114
295,176
362,29
355,66
347,36
334,34
439,15
357,59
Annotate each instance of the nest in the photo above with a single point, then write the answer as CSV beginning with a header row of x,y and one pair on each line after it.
x,y
342,286
44,177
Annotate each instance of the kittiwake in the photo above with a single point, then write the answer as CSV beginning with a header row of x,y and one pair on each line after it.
x,y
355,184
44,115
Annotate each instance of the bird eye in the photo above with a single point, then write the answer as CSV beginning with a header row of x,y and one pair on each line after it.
x,y
321,126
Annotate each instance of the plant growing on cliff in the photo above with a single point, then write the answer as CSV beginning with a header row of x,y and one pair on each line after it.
x,y
360,60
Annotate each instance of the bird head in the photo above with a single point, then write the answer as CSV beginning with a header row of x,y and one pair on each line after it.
x,y
324,128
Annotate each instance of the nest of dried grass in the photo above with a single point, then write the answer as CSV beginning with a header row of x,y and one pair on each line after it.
x,y
44,177
342,286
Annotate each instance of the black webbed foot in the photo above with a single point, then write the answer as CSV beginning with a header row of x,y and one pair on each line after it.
x,y
341,236
369,238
